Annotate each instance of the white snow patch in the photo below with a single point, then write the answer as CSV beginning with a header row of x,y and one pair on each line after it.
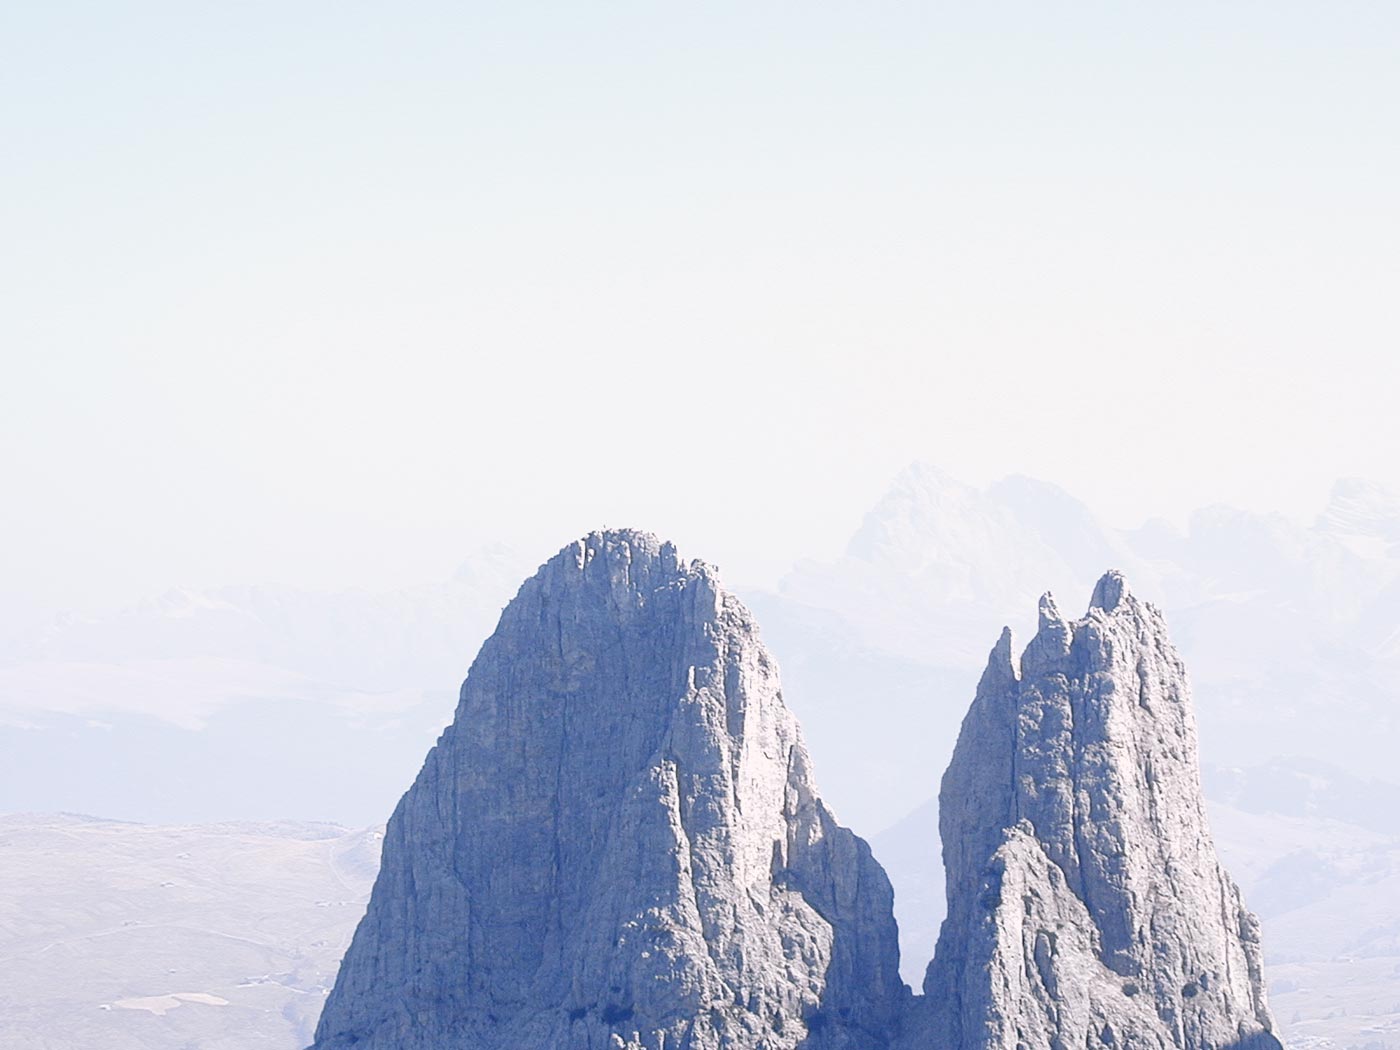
x,y
160,1005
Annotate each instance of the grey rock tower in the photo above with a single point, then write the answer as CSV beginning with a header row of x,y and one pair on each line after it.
x,y
1086,905
618,843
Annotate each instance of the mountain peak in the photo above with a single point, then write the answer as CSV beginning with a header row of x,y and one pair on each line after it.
x,y
1086,904
618,841
1004,655
618,548
1361,509
1111,589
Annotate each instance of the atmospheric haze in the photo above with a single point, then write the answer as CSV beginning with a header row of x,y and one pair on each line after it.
x,y
324,297
326,325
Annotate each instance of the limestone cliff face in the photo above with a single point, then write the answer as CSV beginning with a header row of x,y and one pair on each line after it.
x,y
1086,905
618,843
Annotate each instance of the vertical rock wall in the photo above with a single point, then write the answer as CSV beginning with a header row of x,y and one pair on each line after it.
x,y
618,842
1086,904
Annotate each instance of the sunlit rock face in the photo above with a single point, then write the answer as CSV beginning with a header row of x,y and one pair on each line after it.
x,y
618,842
1086,904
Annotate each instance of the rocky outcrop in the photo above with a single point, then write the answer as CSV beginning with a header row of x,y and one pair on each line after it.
x,y
1086,905
618,843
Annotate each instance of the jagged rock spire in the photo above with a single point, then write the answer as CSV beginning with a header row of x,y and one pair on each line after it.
x,y
618,842
1086,905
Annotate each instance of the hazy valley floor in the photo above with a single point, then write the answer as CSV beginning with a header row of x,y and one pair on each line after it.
x,y
227,936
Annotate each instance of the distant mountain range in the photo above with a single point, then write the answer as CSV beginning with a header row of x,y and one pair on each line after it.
x,y
1315,847
162,711
260,703
1291,631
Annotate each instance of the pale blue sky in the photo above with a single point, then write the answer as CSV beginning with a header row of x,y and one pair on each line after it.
x,y
331,293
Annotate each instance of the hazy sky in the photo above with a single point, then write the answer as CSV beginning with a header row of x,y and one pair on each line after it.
x,y
330,293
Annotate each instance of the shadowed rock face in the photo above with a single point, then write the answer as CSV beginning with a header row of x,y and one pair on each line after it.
x,y
618,842
1086,905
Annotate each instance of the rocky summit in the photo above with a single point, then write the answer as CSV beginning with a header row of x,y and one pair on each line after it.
x,y
1086,904
618,843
